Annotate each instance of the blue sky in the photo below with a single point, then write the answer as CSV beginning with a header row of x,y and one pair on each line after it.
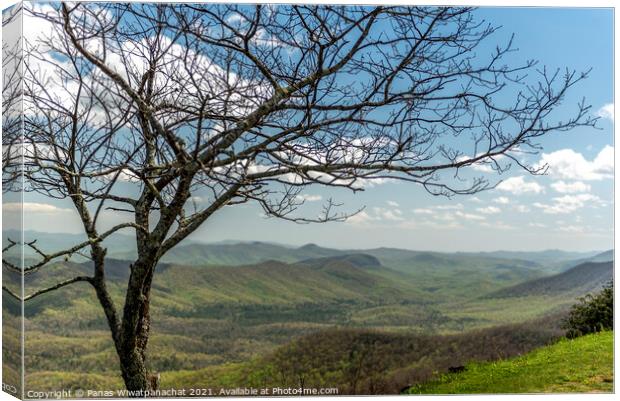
x,y
570,208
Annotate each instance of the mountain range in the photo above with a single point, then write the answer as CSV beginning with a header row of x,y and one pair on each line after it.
x,y
189,252
220,304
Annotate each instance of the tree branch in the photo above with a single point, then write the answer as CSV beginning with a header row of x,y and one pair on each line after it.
x,y
48,289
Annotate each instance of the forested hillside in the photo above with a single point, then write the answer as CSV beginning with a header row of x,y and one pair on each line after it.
x,y
344,316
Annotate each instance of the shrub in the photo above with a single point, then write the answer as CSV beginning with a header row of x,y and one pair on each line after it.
x,y
592,314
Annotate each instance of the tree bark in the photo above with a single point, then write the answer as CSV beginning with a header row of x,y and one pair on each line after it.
x,y
135,327
133,369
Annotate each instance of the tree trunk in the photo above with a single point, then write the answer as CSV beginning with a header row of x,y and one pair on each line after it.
x,y
134,373
135,329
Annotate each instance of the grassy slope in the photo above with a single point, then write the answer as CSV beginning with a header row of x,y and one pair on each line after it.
x,y
581,365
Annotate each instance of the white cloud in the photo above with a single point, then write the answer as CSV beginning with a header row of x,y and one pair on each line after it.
x,y
235,18
432,224
360,218
606,111
502,200
392,215
570,187
537,225
445,217
125,175
568,203
393,203
370,182
475,199
387,214
33,207
377,214
570,165
522,208
468,216
345,150
449,213
489,210
571,229
518,186
423,211
458,206
483,168
485,165
44,54
479,166
309,198
498,225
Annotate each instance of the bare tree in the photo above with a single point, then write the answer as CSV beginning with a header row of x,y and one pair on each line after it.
x,y
140,108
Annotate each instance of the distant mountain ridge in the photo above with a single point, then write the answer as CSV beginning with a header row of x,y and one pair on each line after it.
x,y
579,280
360,260
244,253
548,255
607,256
235,253
447,275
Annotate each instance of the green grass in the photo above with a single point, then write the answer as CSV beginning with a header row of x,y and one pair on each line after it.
x,y
584,364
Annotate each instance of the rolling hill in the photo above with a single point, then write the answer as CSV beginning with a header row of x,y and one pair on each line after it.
x,y
428,276
243,253
221,308
275,282
341,278
356,259
359,280
376,287
579,280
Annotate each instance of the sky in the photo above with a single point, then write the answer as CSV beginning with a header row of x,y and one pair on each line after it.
x,y
571,207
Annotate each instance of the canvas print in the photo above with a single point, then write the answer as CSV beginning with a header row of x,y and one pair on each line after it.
x,y
213,199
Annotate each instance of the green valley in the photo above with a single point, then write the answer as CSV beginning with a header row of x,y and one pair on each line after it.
x,y
366,321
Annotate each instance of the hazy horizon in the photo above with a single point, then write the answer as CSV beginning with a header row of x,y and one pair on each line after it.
x,y
322,245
